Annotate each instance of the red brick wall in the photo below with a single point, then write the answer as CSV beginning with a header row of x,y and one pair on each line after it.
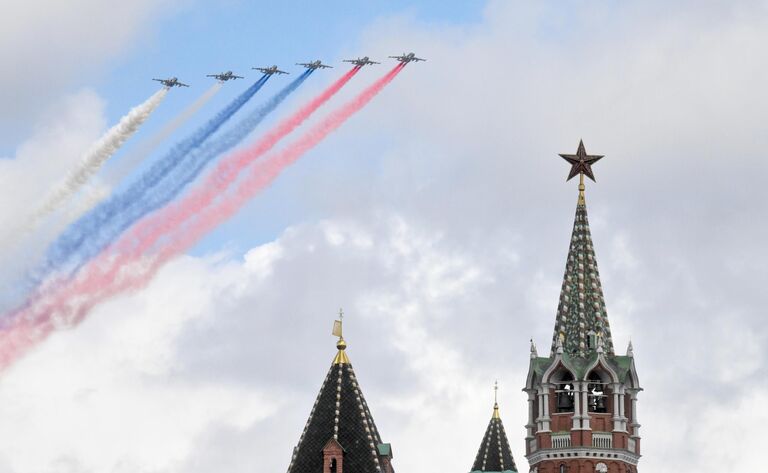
x,y
582,466
562,422
601,422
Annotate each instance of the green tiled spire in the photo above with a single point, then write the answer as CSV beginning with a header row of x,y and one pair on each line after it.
x,y
582,321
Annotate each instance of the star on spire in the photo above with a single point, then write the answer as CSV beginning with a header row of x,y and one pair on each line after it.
x,y
581,162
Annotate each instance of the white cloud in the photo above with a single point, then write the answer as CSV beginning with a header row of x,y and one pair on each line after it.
x,y
124,409
46,45
217,346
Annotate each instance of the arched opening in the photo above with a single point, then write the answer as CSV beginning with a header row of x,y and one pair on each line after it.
x,y
333,465
563,468
565,392
601,468
597,393
591,340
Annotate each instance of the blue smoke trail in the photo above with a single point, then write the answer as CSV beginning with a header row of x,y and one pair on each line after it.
x,y
171,184
203,156
70,241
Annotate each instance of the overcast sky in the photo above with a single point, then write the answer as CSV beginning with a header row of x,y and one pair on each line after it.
x,y
439,218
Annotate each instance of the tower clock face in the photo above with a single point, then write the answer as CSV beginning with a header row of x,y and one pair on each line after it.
x,y
601,468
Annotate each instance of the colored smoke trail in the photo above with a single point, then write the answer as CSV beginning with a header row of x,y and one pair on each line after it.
x,y
95,158
124,267
128,163
259,177
213,149
91,224
174,182
228,169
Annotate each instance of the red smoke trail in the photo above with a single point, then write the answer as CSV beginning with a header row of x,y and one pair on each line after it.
x,y
228,169
123,268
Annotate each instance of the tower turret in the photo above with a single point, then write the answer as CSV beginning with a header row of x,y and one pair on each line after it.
x,y
340,435
494,454
582,399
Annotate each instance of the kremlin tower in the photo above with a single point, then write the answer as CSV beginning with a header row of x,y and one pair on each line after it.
x,y
582,398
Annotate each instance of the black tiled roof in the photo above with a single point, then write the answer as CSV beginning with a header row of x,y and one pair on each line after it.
x,y
341,410
494,454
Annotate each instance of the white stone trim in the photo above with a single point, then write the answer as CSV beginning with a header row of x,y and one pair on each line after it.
x,y
583,452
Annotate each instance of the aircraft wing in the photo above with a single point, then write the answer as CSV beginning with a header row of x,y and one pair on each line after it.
x,y
238,77
323,66
281,72
182,85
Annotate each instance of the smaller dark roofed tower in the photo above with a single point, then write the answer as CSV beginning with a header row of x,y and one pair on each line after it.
x,y
494,454
340,435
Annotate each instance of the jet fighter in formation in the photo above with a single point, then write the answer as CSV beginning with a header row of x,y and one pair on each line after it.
x,y
269,70
172,82
225,76
361,61
406,58
314,65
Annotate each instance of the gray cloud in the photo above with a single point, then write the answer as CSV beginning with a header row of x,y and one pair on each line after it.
x,y
46,46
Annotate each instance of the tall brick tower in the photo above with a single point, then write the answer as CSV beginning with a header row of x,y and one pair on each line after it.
x,y
582,398
340,435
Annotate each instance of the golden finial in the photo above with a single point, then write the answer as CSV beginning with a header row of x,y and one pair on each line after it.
x,y
341,357
496,400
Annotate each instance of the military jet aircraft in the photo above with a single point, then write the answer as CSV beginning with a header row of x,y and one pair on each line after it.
x,y
314,65
225,76
361,61
269,70
406,58
172,82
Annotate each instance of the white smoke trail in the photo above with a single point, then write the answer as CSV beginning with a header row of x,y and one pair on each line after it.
x,y
11,237
26,235
126,164
95,158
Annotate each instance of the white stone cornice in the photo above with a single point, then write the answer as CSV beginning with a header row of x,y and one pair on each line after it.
x,y
583,452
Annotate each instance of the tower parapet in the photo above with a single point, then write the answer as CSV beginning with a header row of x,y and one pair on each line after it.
x,y
582,398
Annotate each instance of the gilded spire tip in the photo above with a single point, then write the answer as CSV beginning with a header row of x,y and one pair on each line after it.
x,y
341,357
496,414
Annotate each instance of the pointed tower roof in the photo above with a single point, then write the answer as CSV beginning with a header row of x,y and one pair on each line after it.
x,y
341,415
494,454
582,321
